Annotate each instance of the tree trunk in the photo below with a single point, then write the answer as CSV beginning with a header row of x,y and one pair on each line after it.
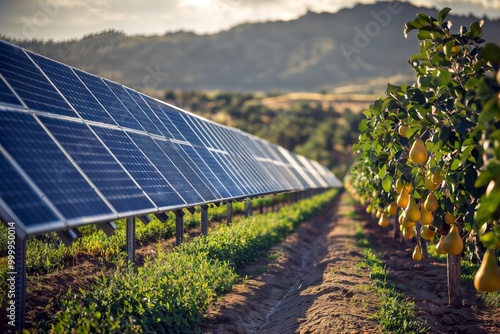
x,y
454,284
395,226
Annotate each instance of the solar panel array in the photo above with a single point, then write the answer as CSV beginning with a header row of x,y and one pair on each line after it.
x,y
78,149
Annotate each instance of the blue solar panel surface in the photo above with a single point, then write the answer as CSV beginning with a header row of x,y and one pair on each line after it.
x,y
98,164
30,83
25,203
173,173
7,96
73,89
139,167
48,167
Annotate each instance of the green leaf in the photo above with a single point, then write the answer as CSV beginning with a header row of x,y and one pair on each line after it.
x,y
490,110
443,13
443,77
363,125
386,183
423,18
475,28
491,52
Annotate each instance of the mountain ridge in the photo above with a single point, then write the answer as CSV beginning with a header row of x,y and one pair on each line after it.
x,y
317,51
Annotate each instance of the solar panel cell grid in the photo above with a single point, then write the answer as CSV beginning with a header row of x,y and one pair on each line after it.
x,y
25,203
48,167
7,96
138,166
99,165
30,83
73,89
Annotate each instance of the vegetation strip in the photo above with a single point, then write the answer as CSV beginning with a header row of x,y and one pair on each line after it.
x,y
396,314
172,290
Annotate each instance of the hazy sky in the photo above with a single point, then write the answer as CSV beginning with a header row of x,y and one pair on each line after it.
x,y
63,19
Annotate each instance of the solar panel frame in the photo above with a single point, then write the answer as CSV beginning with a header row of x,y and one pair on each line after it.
x,y
7,95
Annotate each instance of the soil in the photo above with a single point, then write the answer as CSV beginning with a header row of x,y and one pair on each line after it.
x,y
312,282
317,285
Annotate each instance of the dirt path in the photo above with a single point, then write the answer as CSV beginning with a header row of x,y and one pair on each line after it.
x,y
315,285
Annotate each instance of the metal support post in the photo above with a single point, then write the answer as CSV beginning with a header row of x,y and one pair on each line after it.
x,y
204,219
250,207
246,206
130,245
229,213
179,227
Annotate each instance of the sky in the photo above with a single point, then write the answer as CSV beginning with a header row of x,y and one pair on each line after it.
x,y
66,19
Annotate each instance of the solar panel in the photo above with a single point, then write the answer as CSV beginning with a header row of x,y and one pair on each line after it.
x,y
205,170
7,96
99,165
174,152
42,160
30,83
139,167
181,125
222,174
158,112
174,131
175,175
141,111
73,89
26,207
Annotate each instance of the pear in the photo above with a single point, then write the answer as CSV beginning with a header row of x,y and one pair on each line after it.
x,y
383,221
449,218
378,214
412,211
403,129
427,217
392,209
418,152
417,253
452,243
430,203
402,200
427,233
399,186
439,246
408,233
430,185
437,177
487,277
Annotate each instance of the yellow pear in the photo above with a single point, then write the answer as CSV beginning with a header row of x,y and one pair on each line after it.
x,y
378,214
418,152
402,200
383,221
430,185
408,233
401,218
412,211
403,129
439,246
427,233
437,177
407,223
417,253
430,203
399,186
449,218
452,243
392,209
487,277
427,217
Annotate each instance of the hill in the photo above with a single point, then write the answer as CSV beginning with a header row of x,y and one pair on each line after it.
x,y
315,52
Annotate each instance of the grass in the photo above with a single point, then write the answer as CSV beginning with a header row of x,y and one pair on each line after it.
x,y
397,312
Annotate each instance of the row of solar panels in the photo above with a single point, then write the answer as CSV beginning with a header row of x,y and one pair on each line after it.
x,y
78,149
